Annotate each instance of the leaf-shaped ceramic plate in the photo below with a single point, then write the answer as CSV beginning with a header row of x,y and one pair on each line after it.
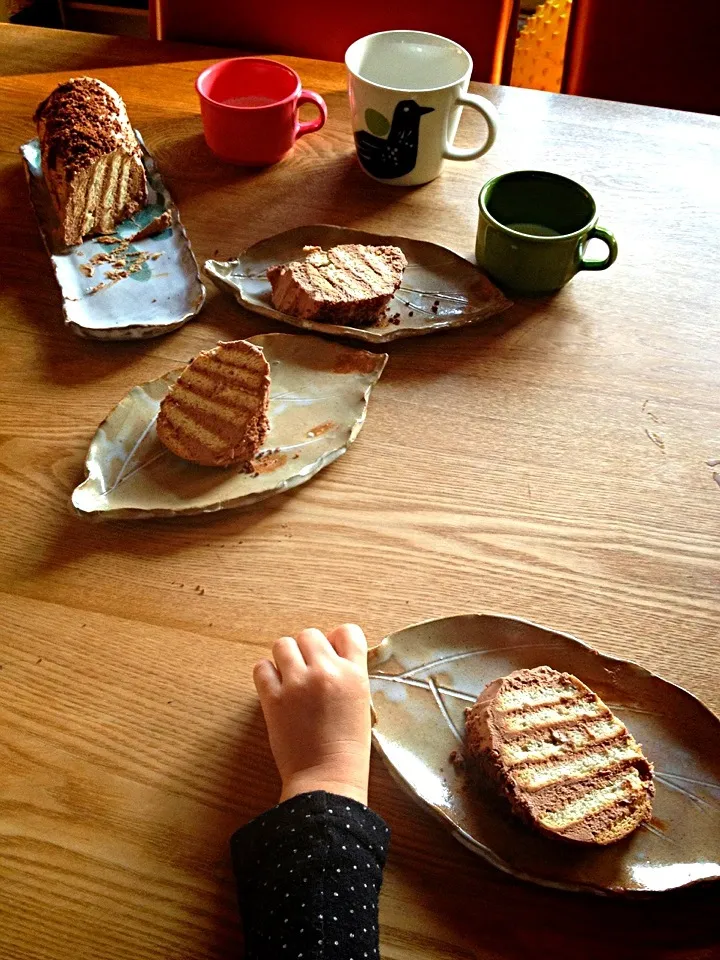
x,y
424,677
160,293
439,291
318,400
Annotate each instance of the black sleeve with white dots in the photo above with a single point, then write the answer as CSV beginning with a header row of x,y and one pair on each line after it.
x,y
308,876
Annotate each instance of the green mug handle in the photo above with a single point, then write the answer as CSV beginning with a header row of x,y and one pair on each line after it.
x,y
602,234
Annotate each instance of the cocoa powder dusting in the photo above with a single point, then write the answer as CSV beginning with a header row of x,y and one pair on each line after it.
x,y
267,462
81,124
359,361
321,428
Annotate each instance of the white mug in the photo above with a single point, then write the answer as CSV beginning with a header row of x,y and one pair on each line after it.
x,y
407,90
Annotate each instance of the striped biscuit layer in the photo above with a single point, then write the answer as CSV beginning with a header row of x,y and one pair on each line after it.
x,y
554,742
582,708
596,801
532,695
585,762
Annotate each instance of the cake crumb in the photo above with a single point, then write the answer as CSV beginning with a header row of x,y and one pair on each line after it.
x,y
157,225
138,264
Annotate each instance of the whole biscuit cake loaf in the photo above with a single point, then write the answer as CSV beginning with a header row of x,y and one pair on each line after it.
x,y
565,762
91,158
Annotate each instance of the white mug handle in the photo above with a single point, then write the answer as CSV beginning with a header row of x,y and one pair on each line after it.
x,y
490,114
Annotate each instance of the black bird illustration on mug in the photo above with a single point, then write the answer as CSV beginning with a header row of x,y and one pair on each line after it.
x,y
393,156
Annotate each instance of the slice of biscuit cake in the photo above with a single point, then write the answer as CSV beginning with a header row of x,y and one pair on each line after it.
x,y
216,412
348,284
565,762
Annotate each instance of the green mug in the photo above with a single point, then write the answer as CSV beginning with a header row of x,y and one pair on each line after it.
x,y
533,230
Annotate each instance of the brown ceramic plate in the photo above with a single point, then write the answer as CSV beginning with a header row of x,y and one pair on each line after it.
x,y
423,678
318,401
440,290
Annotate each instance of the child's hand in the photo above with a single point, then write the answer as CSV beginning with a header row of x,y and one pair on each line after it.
x,y
316,701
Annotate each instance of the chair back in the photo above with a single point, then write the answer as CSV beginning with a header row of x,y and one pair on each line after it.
x,y
324,29
653,52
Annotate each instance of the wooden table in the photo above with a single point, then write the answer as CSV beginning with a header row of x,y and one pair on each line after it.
x,y
549,464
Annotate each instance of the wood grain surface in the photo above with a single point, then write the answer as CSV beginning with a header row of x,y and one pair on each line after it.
x,y
551,464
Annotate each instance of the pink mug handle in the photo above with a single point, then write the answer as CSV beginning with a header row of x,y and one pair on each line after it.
x,y
310,126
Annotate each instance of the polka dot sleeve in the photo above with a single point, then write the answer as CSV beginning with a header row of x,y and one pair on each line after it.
x,y
308,876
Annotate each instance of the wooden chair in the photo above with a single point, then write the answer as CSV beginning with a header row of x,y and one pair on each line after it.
x,y
645,51
324,29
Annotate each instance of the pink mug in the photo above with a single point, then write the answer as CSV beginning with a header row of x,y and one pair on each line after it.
x,y
249,108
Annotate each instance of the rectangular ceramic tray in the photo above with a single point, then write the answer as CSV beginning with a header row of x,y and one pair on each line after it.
x,y
163,294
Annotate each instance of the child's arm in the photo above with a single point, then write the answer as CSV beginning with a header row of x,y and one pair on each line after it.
x,y
309,870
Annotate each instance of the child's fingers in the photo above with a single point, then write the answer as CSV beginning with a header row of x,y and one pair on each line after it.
x,y
350,643
266,678
315,647
288,658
